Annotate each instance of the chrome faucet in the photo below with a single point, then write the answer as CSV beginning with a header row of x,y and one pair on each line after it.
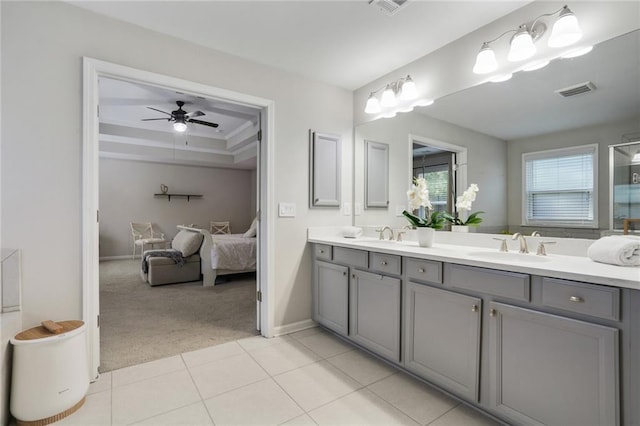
x,y
381,231
523,242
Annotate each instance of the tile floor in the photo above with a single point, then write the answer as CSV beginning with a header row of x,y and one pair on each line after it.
x,y
306,378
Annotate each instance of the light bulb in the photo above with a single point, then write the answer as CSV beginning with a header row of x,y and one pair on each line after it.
x,y
409,90
522,46
373,106
388,98
566,29
179,126
485,61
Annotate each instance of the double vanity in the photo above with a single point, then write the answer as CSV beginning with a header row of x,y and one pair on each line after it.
x,y
535,340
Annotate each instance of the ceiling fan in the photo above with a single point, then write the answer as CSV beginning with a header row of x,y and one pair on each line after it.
x,y
181,117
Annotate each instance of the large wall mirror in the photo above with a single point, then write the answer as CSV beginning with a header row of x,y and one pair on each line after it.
x,y
499,122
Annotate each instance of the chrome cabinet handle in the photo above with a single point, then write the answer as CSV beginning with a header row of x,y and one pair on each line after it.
x,y
474,308
492,312
321,251
576,299
344,273
383,262
421,270
353,276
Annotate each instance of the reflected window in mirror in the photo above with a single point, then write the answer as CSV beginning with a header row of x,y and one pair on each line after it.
x,y
560,187
437,168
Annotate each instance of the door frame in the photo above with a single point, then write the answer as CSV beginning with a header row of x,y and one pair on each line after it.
x,y
94,69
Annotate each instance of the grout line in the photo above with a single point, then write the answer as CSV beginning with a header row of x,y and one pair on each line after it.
x,y
443,414
199,394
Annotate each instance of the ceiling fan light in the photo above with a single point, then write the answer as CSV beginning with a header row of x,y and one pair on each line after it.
x,y
522,46
179,126
388,98
566,30
409,90
373,105
485,61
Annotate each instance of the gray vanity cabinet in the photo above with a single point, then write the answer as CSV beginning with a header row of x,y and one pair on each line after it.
x,y
331,296
442,337
375,313
536,358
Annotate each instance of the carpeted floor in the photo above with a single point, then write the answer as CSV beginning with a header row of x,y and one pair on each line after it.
x,y
140,323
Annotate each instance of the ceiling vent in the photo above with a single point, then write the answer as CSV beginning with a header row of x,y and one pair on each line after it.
x,y
388,7
577,89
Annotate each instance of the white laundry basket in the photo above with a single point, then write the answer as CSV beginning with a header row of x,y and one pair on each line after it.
x,y
50,376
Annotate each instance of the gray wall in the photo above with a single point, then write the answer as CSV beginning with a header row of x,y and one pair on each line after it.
x,y
42,48
603,136
126,195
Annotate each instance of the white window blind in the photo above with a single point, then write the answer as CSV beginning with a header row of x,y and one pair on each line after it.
x,y
560,187
437,178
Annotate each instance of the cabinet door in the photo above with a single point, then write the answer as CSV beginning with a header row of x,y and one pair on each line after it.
x,y
326,167
375,313
551,370
442,337
376,175
331,296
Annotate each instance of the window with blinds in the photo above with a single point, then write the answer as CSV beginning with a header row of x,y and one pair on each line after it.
x,y
437,178
560,187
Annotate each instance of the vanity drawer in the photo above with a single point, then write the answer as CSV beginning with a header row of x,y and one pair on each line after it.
x,y
323,251
388,263
424,270
511,285
589,299
351,257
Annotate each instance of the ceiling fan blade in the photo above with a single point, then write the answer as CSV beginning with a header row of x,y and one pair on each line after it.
x,y
194,114
159,110
204,123
152,119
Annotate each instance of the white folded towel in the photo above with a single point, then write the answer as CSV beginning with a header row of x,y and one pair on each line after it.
x,y
623,250
351,231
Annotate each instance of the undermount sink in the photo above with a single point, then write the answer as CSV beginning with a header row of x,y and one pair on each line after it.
x,y
508,256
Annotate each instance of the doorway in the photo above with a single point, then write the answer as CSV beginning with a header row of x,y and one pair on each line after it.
x,y
95,69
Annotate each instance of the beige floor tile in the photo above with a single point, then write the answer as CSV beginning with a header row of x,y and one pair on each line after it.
x,y
304,333
463,415
139,372
362,367
257,342
419,401
289,355
325,344
95,411
316,384
303,420
212,353
360,408
215,378
191,415
103,383
261,403
141,400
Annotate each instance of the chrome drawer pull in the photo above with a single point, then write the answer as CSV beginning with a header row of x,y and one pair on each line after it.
x,y
321,251
474,308
344,273
492,312
576,299
383,262
421,270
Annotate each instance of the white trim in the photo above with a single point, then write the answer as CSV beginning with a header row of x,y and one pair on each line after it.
x,y
126,140
238,130
293,327
92,70
551,153
194,163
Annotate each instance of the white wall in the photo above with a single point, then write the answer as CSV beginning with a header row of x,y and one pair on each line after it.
x,y
42,48
487,166
126,195
602,135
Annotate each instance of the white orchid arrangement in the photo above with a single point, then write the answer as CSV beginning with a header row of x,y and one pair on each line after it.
x,y
463,202
418,197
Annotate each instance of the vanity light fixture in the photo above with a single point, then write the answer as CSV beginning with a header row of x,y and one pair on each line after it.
x,y
394,97
565,32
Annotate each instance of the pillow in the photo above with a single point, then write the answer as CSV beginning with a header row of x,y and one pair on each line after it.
x,y
187,242
251,232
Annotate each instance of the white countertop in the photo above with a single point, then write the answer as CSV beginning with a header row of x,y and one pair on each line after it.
x,y
577,268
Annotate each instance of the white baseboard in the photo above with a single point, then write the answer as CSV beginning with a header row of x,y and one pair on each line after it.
x,y
293,327
122,257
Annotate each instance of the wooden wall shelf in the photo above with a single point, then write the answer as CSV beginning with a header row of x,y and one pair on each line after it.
x,y
187,196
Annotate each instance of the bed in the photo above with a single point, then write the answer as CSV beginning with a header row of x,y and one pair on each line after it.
x,y
224,255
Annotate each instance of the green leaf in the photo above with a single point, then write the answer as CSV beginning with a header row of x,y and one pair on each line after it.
x,y
474,219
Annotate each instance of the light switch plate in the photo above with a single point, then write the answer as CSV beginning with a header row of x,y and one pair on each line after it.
x,y
357,207
286,209
346,208
399,210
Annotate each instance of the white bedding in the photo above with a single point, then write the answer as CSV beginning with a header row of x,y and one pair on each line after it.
x,y
233,252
